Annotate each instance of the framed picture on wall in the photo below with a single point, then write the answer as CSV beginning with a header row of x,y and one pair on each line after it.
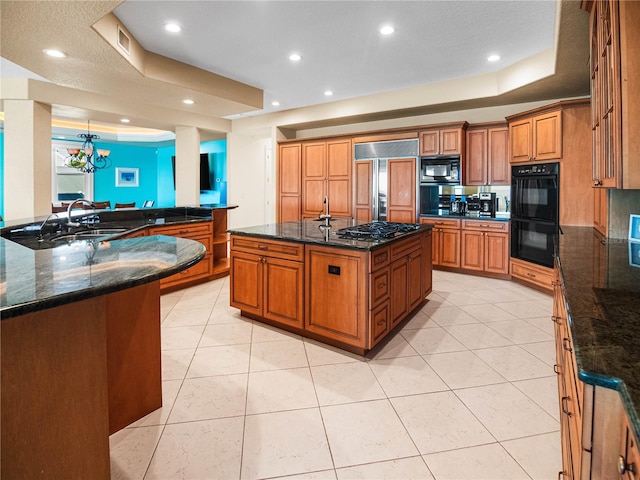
x,y
127,177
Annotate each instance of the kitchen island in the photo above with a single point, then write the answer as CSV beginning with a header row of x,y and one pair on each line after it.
x,y
597,324
80,348
304,277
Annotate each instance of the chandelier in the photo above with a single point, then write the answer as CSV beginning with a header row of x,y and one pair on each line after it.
x,y
88,159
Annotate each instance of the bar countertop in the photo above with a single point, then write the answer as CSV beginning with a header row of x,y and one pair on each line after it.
x,y
315,232
601,283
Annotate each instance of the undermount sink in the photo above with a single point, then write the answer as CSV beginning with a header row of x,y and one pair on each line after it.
x,y
78,236
101,231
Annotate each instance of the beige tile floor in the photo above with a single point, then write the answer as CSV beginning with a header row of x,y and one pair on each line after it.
x,y
465,390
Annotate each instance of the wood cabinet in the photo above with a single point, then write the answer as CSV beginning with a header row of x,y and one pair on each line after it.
x,y
401,192
443,140
601,210
267,279
536,138
487,160
485,246
363,190
201,232
326,172
288,173
445,250
532,274
615,89
405,273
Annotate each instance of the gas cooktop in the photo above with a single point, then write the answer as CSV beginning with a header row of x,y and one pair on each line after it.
x,y
376,230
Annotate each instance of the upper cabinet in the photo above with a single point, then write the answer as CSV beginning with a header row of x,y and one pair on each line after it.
x,y
326,172
288,182
443,140
535,138
487,161
615,89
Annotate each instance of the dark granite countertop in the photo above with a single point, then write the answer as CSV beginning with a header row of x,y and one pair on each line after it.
x,y
500,217
32,280
314,232
35,276
602,290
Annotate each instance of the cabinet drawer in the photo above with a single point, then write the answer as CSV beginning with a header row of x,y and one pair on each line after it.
x,y
379,287
199,270
379,259
485,225
286,250
405,247
535,274
379,323
185,230
441,222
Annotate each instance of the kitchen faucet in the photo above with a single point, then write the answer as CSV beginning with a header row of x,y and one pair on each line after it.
x,y
326,216
41,234
70,207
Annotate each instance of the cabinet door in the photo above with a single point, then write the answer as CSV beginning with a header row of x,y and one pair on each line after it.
x,y
246,282
450,248
520,141
289,177
472,250
496,252
414,279
314,176
436,245
498,170
283,291
547,136
451,141
475,171
427,265
401,195
399,299
430,142
339,168
364,192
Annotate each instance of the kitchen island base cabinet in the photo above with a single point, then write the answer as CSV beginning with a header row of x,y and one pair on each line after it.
x,y
62,398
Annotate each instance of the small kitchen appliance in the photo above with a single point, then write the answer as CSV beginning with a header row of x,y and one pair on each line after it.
x,y
488,204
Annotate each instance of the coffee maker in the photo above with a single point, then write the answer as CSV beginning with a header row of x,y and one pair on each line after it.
x,y
488,204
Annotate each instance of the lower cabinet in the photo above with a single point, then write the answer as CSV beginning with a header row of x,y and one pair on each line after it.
x,y
485,246
445,250
532,274
345,297
267,279
201,232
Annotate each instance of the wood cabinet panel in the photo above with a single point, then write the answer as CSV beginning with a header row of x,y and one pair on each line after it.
x,y
283,291
531,273
547,136
339,192
414,279
399,272
289,182
430,142
427,264
401,195
472,250
499,171
246,282
475,170
450,248
451,141
442,141
496,253
521,140
363,187
487,158
380,322
380,286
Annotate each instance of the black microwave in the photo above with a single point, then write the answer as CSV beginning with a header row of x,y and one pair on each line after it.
x,y
440,170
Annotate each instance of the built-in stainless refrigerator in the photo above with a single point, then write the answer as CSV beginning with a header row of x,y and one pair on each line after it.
x,y
373,183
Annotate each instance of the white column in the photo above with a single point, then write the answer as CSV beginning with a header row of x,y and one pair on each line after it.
x,y
27,159
187,166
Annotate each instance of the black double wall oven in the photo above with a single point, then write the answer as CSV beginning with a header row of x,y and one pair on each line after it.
x,y
535,200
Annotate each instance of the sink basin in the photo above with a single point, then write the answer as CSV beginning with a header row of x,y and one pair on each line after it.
x,y
102,231
78,236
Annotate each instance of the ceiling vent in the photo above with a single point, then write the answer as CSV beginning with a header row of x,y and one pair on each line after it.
x,y
123,40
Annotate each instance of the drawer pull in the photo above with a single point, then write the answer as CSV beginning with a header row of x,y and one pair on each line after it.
x,y
263,247
532,275
382,285
565,342
565,407
561,474
556,369
183,231
624,467
555,319
381,322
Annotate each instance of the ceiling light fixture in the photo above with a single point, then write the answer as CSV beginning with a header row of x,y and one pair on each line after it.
x,y
387,30
188,101
125,120
54,53
275,103
295,57
88,158
328,93
493,58
172,27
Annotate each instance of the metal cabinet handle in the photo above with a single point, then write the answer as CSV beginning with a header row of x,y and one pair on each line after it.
x,y
624,467
597,183
382,285
263,247
565,406
381,322
556,369
565,342
555,319
561,474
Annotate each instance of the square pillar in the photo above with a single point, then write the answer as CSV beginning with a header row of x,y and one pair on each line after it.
x,y
187,166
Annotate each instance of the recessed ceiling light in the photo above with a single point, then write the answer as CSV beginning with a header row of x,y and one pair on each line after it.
x,y
188,101
275,103
387,30
328,93
172,27
54,53
61,137
493,58
295,57
125,120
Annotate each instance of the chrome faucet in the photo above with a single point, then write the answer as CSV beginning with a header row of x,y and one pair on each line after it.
x,y
326,216
41,233
70,207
